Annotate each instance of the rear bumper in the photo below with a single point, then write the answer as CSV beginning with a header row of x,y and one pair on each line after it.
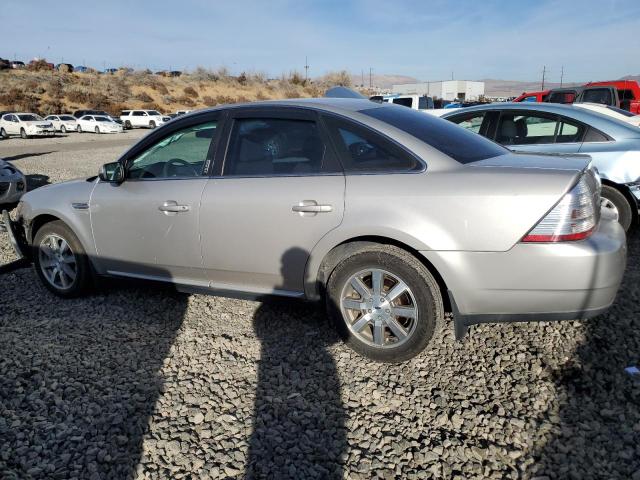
x,y
535,282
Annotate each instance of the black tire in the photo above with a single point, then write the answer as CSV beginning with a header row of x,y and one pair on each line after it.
x,y
63,129
416,276
127,125
79,129
152,124
617,198
97,130
3,133
83,278
23,133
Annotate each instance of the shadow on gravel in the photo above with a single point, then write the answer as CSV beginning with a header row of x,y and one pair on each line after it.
x,y
79,378
299,420
596,433
25,155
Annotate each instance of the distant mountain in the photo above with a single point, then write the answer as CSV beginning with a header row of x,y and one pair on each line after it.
x,y
381,81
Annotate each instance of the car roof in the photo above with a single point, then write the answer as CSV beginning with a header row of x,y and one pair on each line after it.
x,y
613,127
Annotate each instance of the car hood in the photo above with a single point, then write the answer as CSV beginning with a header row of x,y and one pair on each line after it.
x,y
547,161
33,123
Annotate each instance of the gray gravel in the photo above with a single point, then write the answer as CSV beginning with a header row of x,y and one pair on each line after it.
x,y
136,381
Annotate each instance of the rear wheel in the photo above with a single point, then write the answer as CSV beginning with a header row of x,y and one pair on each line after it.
x,y
615,201
60,261
385,303
23,133
79,129
127,125
3,133
97,130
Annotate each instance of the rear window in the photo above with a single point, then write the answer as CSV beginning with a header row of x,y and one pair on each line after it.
x,y
458,143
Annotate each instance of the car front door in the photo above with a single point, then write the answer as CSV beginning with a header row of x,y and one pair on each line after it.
x,y
538,132
279,191
148,225
13,125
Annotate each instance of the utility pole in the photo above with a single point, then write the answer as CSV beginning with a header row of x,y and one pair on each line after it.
x,y
370,77
306,69
544,71
561,74
362,78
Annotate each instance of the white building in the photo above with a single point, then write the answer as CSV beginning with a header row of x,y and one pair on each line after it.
x,y
446,90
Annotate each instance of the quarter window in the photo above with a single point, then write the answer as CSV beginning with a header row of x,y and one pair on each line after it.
x,y
274,146
365,152
181,154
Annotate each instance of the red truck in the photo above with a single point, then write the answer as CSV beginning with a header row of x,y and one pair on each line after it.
x,y
623,94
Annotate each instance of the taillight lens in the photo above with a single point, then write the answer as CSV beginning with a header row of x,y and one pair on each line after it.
x,y
574,217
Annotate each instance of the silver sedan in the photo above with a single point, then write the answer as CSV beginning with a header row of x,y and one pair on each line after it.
x,y
552,128
389,216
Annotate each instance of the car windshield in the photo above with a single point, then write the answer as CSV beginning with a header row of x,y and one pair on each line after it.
x,y
66,117
102,119
29,118
153,112
452,140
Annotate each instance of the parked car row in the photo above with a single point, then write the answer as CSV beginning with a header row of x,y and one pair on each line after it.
x,y
284,198
623,94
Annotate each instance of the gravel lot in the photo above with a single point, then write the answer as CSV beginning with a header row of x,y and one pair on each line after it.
x,y
137,381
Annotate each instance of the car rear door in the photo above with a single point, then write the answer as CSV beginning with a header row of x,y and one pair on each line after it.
x,y
279,190
148,226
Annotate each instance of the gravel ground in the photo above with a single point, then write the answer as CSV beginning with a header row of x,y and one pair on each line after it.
x,y
137,381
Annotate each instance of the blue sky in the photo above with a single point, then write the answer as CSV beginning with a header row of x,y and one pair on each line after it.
x,y
428,39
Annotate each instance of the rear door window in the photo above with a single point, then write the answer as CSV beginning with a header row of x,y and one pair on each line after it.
x,y
274,146
598,95
525,129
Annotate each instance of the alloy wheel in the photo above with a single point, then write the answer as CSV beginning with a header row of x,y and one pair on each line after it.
x,y
379,308
57,262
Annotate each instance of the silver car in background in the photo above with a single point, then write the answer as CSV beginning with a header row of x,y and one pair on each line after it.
x,y
613,145
390,216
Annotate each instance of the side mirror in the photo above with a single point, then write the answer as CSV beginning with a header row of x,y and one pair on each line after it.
x,y
111,172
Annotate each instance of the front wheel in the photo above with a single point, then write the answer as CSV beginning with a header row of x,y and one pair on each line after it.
x,y
3,133
127,125
615,201
152,124
79,129
60,261
384,302
97,130
63,129
23,133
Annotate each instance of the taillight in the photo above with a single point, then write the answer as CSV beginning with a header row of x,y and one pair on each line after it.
x,y
574,217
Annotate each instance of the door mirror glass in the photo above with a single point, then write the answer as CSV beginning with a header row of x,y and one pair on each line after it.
x,y
112,172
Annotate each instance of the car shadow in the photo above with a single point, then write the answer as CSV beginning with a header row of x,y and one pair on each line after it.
x,y
596,432
77,385
299,421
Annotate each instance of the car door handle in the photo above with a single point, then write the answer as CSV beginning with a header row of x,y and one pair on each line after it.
x,y
171,206
311,206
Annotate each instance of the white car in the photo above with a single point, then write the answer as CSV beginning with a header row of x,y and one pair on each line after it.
x,y
63,123
97,124
143,118
610,111
26,125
